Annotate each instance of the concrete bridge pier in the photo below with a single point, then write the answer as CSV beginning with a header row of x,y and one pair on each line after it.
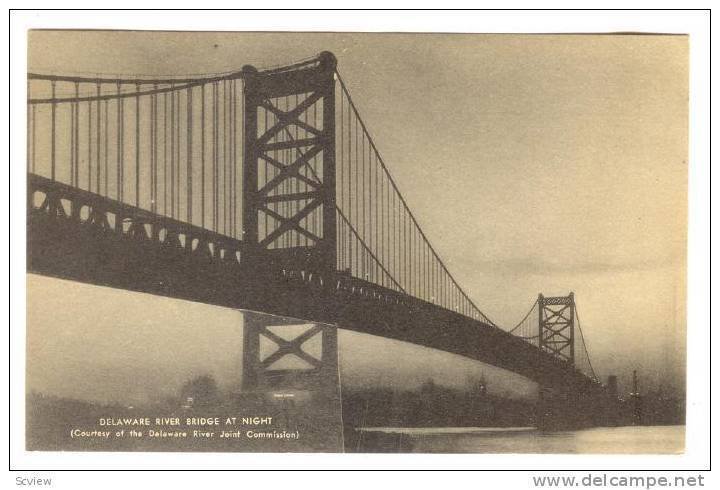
x,y
290,369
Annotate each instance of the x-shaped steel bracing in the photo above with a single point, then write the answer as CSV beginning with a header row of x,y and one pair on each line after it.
x,y
556,327
313,146
291,347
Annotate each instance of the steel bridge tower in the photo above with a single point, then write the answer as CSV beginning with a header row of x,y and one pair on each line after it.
x,y
558,400
289,192
289,210
556,324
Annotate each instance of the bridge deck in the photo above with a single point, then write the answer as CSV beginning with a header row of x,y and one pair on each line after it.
x,y
75,234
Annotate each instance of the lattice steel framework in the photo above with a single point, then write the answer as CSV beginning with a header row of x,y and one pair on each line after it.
x,y
318,371
557,326
289,164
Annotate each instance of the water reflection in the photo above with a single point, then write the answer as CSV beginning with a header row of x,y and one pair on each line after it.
x,y
607,440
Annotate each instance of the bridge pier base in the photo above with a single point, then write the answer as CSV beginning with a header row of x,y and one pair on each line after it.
x,y
290,367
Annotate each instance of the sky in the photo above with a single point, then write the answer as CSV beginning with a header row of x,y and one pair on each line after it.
x,y
533,163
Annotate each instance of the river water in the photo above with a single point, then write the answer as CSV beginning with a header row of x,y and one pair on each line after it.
x,y
607,440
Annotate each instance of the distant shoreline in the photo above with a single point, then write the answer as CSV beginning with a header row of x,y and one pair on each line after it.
x,y
476,430
443,430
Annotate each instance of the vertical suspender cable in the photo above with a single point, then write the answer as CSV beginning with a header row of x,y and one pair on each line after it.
x,y
152,151
342,179
231,157
97,140
105,146
153,156
189,111
227,145
137,145
76,137
236,181
215,156
165,151
349,191
383,204
362,200
155,151
178,147
223,89
391,233
226,170
226,154
357,199
52,134
119,146
72,141
202,156
172,152
89,148
242,153
34,139
28,125
377,218
406,255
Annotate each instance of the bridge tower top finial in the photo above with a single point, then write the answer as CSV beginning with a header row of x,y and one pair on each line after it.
x,y
327,60
249,70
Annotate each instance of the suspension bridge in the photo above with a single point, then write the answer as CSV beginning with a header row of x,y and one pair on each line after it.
x,y
261,190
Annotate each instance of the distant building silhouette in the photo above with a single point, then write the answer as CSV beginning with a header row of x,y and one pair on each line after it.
x,y
612,386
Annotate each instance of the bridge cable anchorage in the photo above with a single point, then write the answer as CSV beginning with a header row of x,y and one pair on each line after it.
x,y
407,243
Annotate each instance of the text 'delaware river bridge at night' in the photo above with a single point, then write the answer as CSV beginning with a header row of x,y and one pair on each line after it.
x,y
260,190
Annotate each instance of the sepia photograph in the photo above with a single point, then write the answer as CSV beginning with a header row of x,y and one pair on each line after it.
x,y
356,242
427,247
